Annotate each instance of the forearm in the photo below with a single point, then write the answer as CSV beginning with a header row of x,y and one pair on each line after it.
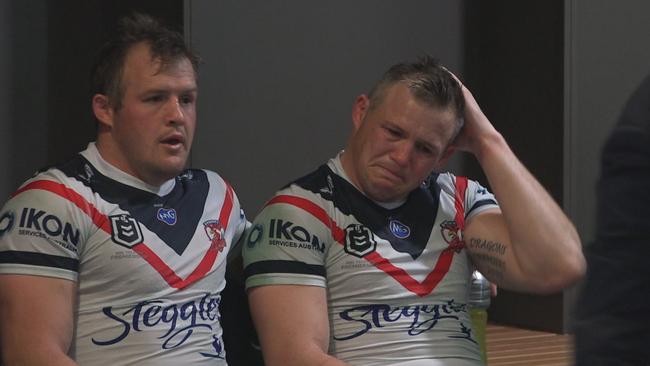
x,y
23,346
31,333
301,356
544,242
28,356
296,338
331,361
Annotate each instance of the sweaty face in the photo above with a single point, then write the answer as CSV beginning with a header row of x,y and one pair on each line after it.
x,y
151,134
396,144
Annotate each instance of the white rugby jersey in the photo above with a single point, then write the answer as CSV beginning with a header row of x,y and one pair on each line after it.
x,y
397,279
149,261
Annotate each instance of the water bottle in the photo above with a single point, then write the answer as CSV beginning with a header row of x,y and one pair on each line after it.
x,y
478,302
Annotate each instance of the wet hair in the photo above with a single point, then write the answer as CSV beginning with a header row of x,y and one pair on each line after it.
x,y
165,45
428,81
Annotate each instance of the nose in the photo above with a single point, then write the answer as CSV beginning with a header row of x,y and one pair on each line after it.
x,y
174,111
401,153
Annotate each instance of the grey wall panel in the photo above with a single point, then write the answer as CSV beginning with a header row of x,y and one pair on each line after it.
x,y
515,70
23,55
279,78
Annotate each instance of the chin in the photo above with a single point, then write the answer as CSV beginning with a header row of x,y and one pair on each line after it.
x,y
383,195
176,170
382,191
170,171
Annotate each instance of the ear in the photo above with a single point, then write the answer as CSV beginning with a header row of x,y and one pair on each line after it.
x,y
102,109
359,110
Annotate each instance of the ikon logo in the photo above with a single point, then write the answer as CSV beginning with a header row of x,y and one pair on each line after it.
x,y
33,220
6,222
287,230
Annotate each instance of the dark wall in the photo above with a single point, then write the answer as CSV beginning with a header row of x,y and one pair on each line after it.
x,y
23,106
75,31
46,50
515,63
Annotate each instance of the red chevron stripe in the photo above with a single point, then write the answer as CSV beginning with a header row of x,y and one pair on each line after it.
x,y
101,221
419,288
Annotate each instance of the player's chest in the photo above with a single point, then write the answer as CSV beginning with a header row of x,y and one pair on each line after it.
x,y
168,245
412,252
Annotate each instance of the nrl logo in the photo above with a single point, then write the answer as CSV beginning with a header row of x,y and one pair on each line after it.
x,y
216,233
453,236
125,231
359,240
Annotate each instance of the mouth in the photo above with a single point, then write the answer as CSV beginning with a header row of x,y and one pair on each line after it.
x,y
392,174
175,140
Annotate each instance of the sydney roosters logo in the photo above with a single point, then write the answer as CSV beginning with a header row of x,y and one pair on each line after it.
x,y
216,233
453,236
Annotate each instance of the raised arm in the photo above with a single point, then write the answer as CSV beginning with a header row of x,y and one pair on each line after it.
x,y
292,324
538,247
36,320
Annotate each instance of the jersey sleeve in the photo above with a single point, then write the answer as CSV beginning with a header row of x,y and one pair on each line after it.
x,y
237,223
241,231
478,199
41,231
286,245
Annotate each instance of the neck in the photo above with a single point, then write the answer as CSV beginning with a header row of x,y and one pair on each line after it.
x,y
348,167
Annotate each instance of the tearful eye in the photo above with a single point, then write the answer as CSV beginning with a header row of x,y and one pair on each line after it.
x,y
393,132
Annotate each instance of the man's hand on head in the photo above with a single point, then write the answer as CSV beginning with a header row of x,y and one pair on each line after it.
x,y
477,129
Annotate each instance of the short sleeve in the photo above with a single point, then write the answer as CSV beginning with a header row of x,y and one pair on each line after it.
x,y
478,199
241,231
286,245
40,233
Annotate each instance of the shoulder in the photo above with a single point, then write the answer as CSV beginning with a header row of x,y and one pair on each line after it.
x,y
314,180
308,194
200,175
446,182
315,186
217,187
205,178
476,197
64,180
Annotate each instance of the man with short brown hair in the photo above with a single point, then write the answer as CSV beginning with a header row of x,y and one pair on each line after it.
x,y
118,256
